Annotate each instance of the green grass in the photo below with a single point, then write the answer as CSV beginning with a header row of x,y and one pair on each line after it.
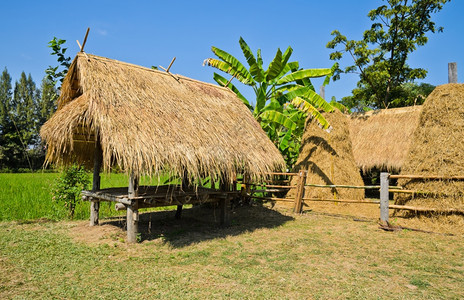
x,y
26,196
264,255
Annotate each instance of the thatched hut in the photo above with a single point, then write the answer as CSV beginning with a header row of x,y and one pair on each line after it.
x,y
328,157
150,122
381,138
437,149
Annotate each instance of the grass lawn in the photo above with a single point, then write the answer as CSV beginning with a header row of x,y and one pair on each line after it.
x,y
264,254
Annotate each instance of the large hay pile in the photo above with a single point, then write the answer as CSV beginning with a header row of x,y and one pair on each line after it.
x,y
437,148
381,138
328,157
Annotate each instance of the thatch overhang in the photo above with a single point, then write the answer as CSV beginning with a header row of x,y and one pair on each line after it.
x,y
153,122
381,138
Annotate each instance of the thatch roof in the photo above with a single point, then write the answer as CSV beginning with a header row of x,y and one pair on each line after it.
x,y
328,157
437,148
381,138
150,122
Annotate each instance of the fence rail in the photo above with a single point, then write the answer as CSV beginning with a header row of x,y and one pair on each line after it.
x,y
384,187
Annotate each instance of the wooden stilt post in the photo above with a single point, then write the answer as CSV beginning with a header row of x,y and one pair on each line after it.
x,y
246,189
300,191
224,204
133,210
384,186
97,162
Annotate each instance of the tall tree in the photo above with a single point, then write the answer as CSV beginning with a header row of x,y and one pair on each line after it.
x,y
5,123
46,105
284,94
398,28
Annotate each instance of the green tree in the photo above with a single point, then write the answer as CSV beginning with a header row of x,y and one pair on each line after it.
x,y
46,105
56,74
5,123
284,94
398,28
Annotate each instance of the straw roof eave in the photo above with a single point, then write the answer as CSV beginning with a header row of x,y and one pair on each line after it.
x,y
149,122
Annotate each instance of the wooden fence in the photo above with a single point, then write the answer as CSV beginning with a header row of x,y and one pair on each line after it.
x,y
385,189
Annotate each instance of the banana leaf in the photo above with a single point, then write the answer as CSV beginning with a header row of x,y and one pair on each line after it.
x,y
275,67
255,69
236,64
278,118
307,107
303,74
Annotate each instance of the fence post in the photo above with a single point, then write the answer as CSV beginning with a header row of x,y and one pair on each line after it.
x,y
300,191
452,72
384,186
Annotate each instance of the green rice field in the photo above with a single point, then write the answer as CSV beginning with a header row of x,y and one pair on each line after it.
x,y
27,196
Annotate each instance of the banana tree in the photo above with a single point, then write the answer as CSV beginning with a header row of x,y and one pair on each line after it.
x,y
284,94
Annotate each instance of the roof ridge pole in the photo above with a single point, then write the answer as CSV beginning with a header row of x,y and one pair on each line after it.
x,y
97,163
133,209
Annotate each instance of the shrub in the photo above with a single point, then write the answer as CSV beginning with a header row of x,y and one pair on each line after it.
x,y
68,186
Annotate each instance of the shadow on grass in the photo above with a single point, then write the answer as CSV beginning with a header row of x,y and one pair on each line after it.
x,y
201,224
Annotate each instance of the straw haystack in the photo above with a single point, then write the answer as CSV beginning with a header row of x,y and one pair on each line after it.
x,y
381,138
437,149
152,122
328,157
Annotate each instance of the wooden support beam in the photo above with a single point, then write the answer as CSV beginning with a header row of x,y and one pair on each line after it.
x,y
178,212
97,163
224,204
133,210
274,199
89,196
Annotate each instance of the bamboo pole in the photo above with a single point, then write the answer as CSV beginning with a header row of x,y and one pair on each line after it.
x,y
277,173
342,201
426,209
281,186
366,187
427,177
85,39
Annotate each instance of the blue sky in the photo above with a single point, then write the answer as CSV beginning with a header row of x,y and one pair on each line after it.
x,y
153,32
